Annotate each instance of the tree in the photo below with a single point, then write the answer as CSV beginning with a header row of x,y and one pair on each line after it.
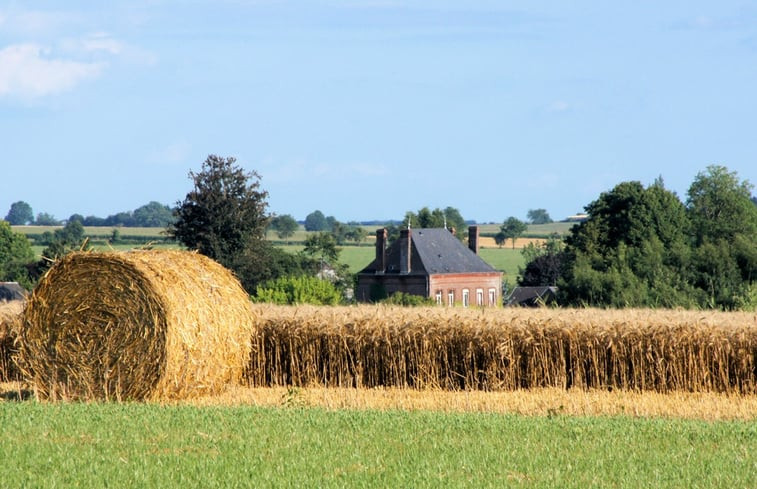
x,y
538,216
20,213
437,218
120,219
316,221
356,234
724,222
224,215
513,228
255,266
63,241
153,214
285,226
720,206
93,221
15,254
323,246
76,217
632,251
543,263
45,219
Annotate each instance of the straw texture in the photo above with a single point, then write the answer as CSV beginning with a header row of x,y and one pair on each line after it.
x,y
505,349
10,321
139,325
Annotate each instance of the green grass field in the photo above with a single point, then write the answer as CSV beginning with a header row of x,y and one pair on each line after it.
x,y
142,445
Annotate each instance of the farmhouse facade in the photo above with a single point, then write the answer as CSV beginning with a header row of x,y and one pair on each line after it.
x,y
431,263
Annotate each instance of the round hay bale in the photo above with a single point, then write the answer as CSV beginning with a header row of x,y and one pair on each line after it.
x,y
138,325
11,314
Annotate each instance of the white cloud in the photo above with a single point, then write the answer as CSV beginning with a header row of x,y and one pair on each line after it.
x,y
26,71
96,43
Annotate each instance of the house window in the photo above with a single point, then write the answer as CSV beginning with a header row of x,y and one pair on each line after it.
x,y
479,297
438,297
466,297
492,297
451,298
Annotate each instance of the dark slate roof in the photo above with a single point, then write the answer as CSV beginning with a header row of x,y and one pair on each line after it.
x,y
434,251
11,291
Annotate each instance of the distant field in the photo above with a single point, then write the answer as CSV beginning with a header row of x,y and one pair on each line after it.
x,y
539,230
96,231
356,257
534,230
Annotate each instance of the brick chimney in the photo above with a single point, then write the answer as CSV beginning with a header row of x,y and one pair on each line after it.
x,y
381,250
473,239
405,250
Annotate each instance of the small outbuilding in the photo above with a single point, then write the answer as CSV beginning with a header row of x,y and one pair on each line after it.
x,y
431,263
532,296
12,291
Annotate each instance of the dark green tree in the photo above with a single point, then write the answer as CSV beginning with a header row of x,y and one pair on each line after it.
x,y
720,205
632,251
513,228
285,226
153,215
125,219
426,218
543,263
255,266
316,221
331,223
20,213
15,254
356,234
322,246
59,243
224,216
538,216
724,221
45,219
76,217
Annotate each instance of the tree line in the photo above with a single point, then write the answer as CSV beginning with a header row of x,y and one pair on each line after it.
x,y
644,247
640,246
152,214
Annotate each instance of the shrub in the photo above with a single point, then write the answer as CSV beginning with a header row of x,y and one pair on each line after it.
x,y
298,290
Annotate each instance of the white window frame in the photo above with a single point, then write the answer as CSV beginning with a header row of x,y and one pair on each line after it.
x,y
466,297
439,297
479,297
451,298
492,297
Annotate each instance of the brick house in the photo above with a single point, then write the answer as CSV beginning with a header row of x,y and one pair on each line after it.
x,y
431,263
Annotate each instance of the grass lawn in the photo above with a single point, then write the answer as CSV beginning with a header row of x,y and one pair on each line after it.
x,y
144,445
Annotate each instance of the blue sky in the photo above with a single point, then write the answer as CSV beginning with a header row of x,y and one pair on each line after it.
x,y
365,110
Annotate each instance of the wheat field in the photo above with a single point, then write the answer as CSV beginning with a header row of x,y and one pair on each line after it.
x,y
504,349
